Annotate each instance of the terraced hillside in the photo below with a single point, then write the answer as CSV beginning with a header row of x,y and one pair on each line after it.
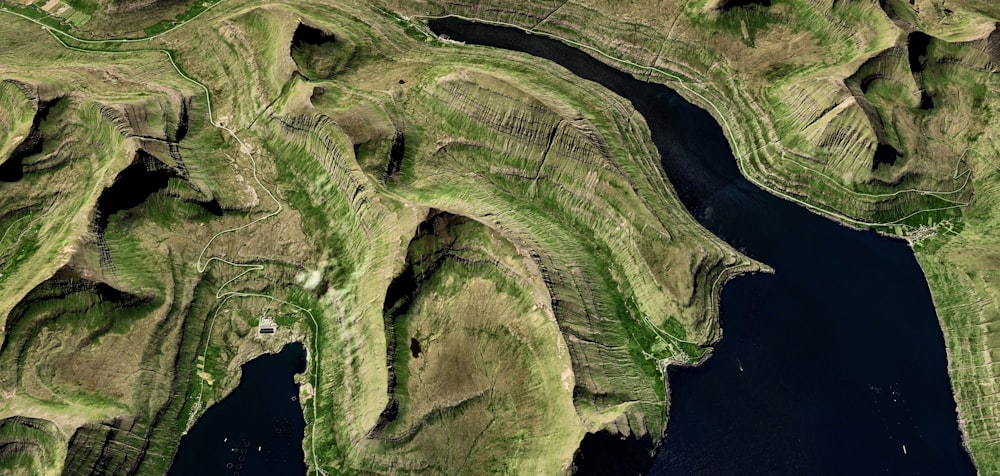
x,y
293,154
392,201
878,114
844,121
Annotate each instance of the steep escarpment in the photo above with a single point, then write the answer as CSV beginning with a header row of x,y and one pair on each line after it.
x,y
559,180
799,123
19,162
896,91
465,298
396,204
28,445
132,187
21,126
894,128
90,308
104,308
320,55
511,147
881,115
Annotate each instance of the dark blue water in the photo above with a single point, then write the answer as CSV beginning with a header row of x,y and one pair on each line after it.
x,y
842,358
256,430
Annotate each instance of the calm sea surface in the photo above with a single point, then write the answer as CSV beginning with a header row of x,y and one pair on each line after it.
x,y
831,365
255,431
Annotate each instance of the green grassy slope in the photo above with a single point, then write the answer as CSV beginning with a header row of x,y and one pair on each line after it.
x,y
808,93
279,182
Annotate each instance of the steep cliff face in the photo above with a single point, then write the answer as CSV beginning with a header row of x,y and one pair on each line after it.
x,y
466,333
468,242
878,114
834,103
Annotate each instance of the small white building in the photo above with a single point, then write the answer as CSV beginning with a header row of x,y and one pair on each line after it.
x,y
266,326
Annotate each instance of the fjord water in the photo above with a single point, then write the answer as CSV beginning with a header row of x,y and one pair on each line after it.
x,y
256,430
832,365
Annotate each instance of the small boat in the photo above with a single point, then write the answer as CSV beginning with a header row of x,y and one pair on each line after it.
x,y
740,363
904,449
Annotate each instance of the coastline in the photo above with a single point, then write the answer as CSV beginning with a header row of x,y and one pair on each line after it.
x,y
732,138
